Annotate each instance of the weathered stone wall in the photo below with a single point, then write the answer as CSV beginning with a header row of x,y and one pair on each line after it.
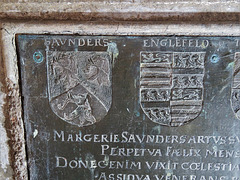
x,y
162,17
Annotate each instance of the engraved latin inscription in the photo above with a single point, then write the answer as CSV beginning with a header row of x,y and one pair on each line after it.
x,y
171,86
79,85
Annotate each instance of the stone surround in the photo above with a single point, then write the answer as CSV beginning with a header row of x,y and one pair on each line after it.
x,y
162,17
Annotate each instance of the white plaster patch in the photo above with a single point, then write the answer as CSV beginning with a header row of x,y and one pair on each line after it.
x,y
35,133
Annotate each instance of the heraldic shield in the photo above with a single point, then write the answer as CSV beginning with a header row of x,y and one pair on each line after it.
x,y
235,95
171,86
79,85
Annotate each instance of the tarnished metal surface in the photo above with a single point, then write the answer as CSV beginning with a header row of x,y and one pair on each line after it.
x,y
131,107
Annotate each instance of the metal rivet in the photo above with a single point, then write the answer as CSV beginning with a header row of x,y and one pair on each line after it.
x,y
38,57
215,58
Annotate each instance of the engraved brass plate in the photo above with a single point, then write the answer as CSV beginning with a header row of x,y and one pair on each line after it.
x,y
131,107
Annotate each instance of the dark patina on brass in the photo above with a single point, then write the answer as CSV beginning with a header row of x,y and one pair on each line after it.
x,y
131,107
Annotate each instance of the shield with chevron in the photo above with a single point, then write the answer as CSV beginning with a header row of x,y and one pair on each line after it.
x,y
171,86
79,85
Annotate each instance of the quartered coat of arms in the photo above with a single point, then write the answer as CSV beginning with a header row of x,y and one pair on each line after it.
x,y
235,95
79,85
171,86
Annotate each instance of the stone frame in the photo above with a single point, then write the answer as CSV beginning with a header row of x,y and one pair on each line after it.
x,y
179,21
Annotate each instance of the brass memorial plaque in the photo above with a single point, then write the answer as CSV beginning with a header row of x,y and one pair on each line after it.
x,y
131,107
